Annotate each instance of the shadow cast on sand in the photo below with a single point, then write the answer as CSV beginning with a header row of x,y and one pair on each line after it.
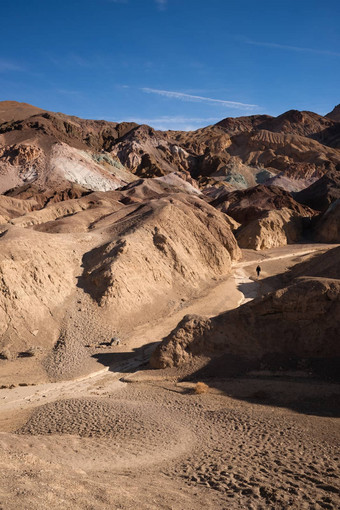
x,y
259,286
126,361
243,379
250,290
313,390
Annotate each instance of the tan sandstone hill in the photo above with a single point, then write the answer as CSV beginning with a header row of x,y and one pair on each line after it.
x,y
275,228
105,225
127,263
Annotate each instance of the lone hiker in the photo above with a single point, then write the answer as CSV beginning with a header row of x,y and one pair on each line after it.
x,y
258,270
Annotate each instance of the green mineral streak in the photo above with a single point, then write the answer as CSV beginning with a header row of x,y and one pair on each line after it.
x,y
106,158
237,180
263,176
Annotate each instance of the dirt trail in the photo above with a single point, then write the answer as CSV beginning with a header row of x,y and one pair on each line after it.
x,y
251,287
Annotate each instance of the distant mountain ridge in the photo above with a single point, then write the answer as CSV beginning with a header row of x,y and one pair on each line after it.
x,y
56,151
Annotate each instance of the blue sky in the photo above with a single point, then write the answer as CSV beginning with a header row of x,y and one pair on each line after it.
x,y
173,64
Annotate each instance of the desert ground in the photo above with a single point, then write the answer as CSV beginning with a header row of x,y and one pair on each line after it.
x,y
122,436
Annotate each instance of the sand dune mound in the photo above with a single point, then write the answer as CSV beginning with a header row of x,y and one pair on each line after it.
x,y
301,321
123,421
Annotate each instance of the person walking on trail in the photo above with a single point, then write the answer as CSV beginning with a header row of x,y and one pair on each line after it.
x,y
258,271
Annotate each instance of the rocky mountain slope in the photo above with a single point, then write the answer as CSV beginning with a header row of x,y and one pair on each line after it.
x,y
11,111
292,150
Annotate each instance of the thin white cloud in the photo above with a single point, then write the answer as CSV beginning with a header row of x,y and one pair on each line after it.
x,y
71,59
68,92
161,4
176,122
9,65
292,48
171,119
199,99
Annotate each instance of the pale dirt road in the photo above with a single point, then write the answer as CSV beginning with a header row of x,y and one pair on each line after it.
x,y
251,285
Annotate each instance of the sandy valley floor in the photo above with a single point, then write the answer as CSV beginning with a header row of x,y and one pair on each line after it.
x,y
125,437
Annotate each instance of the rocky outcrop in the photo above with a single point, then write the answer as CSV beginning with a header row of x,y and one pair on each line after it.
x,y
20,154
334,114
327,229
322,193
251,204
42,196
273,229
60,167
301,320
